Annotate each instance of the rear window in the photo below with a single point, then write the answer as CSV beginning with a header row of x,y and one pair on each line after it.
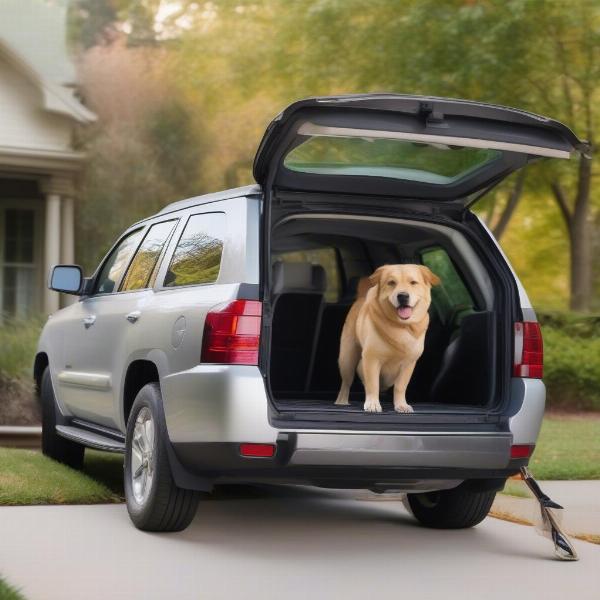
x,y
327,258
197,257
424,162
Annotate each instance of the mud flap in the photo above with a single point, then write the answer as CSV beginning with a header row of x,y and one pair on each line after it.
x,y
549,523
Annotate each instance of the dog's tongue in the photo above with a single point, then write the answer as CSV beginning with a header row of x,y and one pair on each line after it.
x,y
404,312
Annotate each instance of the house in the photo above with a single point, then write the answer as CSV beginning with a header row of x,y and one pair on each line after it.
x,y
39,161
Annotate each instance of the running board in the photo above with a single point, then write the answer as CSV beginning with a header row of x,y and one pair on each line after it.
x,y
90,439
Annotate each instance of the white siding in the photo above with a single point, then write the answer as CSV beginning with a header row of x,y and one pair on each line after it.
x,y
23,122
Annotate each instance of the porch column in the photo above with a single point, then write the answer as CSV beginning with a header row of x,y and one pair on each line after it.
x,y
58,190
51,248
67,242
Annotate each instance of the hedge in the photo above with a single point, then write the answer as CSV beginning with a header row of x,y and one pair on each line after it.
x,y
571,360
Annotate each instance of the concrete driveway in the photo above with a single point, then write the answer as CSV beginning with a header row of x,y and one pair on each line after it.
x,y
283,544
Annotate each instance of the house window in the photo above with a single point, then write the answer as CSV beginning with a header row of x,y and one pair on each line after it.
x,y
18,262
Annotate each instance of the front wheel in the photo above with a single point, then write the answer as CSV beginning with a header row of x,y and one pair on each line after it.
x,y
457,508
154,502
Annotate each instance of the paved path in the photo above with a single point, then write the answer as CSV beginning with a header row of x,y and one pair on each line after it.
x,y
580,499
286,544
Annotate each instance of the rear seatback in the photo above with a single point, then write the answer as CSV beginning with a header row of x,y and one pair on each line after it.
x,y
298,290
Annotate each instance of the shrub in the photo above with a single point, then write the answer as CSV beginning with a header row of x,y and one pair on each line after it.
x,y
572,360
18,342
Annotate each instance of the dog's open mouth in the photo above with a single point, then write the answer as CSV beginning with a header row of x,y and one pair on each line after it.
x,y
404,312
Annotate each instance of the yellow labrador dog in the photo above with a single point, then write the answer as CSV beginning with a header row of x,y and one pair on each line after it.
x,y
384,333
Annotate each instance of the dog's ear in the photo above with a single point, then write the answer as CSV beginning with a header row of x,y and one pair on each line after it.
x,y
430,277
375,278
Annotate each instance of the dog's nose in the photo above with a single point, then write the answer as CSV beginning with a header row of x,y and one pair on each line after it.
x,y
403,299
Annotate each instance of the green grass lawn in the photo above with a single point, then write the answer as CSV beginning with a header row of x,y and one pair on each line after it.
x,y
7,592
568,448
28,477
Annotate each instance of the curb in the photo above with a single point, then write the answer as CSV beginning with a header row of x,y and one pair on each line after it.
x,y
20,437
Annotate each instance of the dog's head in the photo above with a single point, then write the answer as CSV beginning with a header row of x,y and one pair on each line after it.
x,y
404,291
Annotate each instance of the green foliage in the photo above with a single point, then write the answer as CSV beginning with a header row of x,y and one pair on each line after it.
x,y
572,362
29,477
90,21
8,592
18,342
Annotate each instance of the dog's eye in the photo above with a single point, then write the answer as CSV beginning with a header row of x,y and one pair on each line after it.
x,y
391,283
414,282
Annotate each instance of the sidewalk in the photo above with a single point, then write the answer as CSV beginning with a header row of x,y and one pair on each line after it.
x,y
580,500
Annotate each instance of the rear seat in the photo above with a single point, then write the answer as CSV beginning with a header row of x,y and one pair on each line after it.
x,y
298,300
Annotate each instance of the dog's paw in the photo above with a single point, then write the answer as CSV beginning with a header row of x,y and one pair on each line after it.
x,y
404,408
372,405
341,402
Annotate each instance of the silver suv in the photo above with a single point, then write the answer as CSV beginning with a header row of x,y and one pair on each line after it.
x,y
205,345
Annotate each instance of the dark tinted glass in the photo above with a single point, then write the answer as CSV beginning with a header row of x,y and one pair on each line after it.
x,y
197,258
117,262
145,259
452,294
18,245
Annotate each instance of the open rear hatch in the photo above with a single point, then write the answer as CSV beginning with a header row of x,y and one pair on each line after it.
x,y
390,153
403,146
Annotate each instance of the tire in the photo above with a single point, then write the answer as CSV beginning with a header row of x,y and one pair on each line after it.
x,y
154,502
457,508
53,445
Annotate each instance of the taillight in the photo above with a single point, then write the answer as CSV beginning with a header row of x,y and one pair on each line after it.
x,y
257,450
232,333
529,350
521,450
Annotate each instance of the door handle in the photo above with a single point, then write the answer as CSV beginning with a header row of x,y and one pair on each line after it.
x,y
132,317
89,321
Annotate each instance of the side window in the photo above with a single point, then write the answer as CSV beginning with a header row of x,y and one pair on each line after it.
x,y
451,295
115,265
144,262
197,257
326,257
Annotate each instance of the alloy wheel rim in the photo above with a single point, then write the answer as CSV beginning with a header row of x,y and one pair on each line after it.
x,y
142,455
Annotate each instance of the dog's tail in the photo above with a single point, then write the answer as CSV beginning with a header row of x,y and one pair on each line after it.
x,y
364,285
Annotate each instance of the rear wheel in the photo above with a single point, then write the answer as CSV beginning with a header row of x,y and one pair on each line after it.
x,y
458,508
154,502
53,445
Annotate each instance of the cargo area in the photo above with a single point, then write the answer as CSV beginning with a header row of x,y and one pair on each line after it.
x,y
317,262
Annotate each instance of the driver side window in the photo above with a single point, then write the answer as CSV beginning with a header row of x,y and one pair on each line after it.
x,y
116,263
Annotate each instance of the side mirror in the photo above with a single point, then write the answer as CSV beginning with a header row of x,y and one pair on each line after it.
x,y
66,279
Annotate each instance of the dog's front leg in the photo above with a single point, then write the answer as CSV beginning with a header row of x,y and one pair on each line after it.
x,y
400,385
371,369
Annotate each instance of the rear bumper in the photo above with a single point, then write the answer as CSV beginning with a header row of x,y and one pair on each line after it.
x,y
211,409
350,463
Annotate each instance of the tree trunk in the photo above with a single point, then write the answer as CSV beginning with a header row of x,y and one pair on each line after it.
x,y
511,205
580,241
